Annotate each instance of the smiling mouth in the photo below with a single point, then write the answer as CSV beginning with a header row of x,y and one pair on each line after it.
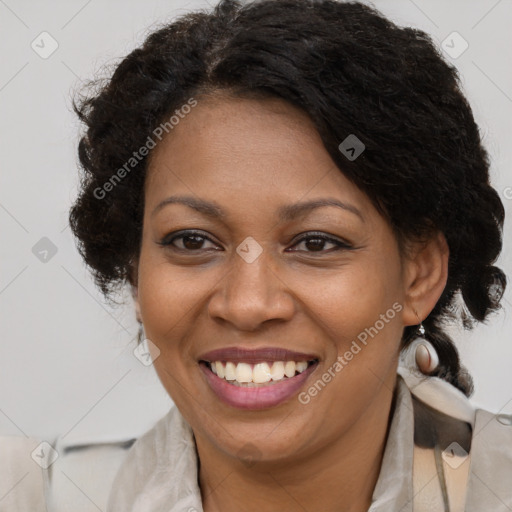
x,y
260,374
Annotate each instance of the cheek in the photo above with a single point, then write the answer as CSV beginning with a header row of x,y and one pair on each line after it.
x,y
351,299
166,292
168,299
171,299
359,311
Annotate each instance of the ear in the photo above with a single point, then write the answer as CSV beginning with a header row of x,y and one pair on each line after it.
x,y
426,273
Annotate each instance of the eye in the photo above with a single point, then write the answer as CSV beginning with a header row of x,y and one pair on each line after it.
x,y
315,242
186,241
193,241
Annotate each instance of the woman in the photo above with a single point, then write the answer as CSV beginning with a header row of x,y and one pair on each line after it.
x,y
298,196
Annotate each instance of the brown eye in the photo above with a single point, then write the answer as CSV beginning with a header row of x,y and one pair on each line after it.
x,y
317,242
187,241
191,242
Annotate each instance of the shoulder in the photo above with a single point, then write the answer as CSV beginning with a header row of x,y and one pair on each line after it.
x,y
490,479
455,416
474,444
159,471
82,476
62,475
40,475
23,482
169,431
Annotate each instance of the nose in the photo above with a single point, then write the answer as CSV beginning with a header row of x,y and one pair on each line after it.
x,y
251,294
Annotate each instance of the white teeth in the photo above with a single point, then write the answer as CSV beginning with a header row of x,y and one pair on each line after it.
x,y
220,369
230,373
277,370
243,372
289,368
301,366
259,373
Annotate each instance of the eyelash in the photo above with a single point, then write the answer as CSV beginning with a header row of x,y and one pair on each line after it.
x,y
168,242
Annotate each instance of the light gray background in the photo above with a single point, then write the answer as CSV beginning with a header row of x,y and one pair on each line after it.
x,y
66,364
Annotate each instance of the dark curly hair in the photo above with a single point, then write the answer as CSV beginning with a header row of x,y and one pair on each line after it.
x,y
353,72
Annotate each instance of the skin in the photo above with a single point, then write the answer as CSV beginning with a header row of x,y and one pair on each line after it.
x,y
252,157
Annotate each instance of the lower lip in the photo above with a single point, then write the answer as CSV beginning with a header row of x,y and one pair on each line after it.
x,y
254,398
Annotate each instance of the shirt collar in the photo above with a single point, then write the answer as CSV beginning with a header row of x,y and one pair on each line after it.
x,y
160,472
394,488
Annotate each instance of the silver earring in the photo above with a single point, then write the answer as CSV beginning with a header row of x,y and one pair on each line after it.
x,y
427,359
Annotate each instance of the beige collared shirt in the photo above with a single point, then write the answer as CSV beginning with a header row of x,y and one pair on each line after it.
x,y
158,472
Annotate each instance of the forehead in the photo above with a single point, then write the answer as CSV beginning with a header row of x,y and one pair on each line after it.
x,y
256,149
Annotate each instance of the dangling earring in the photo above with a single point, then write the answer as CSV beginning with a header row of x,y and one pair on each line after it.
x,y
426,356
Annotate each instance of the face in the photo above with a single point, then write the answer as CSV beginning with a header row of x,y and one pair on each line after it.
x,y
247,275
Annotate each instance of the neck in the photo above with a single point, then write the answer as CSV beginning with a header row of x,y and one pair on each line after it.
x,y
341,474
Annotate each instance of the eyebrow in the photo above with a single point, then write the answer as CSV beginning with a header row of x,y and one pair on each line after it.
x,y
285,213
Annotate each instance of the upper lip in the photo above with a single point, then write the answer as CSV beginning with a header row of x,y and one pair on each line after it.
x,y
246,355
